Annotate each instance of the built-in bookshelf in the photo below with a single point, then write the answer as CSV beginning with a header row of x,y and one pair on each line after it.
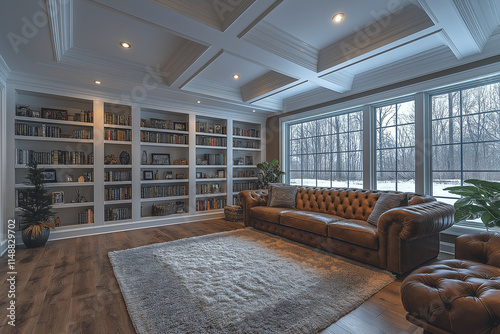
x,y
58,134
110,165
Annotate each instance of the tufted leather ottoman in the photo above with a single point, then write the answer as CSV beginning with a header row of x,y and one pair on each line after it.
x,y
458,296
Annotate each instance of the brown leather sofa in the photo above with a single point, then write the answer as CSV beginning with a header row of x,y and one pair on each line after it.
x,y
335,220
458,296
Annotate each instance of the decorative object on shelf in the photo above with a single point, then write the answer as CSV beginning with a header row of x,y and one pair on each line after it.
x,y
168,175
198,175
233,213
49,175
160,159
180,126
249,160
270,173
163,209
124,158
79,197
36,208
23,110
179,176
57,197
57,222
81,179
218,128
111,159
35,114
144,159
148,175
179,207
58,114
221,173
69,178
239,161
157,175
479,200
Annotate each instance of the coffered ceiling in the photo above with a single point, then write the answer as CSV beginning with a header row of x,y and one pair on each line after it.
x,y
288,53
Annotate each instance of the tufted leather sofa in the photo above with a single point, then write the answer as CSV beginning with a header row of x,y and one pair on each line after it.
x,y
461,295
335,220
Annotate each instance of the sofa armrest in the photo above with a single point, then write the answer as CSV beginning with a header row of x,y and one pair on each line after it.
x,y
249,199
479,247
418,220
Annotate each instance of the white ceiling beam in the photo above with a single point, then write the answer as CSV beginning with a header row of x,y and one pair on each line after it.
x,y
466,24
61,26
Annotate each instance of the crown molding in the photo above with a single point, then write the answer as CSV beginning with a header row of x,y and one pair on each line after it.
x,y
272,39
167,100
393,28
266,84
186,54
341,78
4,69
61,26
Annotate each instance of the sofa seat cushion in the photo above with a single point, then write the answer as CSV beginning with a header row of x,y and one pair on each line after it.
x,y
355,231
313,222
267,213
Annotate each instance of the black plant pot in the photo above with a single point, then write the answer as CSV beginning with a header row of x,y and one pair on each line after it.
x,y
39,241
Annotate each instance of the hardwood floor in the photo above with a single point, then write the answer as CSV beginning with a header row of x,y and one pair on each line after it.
x,y
68,286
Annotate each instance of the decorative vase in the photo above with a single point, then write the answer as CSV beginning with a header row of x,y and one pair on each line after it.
x,y
39,241
144,157
124,158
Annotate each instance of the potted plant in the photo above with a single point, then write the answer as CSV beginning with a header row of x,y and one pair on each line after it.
x,y
480,199
36,207
270,173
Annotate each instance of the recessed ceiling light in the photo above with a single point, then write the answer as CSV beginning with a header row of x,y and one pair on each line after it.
x,y
97,82
125,45
198,101
236,76
253,110
338,17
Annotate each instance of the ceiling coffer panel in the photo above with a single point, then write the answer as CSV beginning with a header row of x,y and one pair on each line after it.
x,y
218,14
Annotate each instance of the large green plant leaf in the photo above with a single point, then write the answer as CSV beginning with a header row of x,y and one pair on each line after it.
x,y
489,186
468,212
463,190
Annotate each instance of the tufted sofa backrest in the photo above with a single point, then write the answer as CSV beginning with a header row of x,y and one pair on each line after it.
x,y
349,203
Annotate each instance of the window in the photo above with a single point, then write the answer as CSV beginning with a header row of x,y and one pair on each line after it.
x,y
395,147
327,152
465,138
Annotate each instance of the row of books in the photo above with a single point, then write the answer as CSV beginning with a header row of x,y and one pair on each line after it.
x,y
246,144
211,141
211,204
244,173
111,214
246,132
117,176
55,157
86,217
164,191
117,193
42,130
85,116
165,138
212,159
115,119
244,186
211,128
117,134
209,188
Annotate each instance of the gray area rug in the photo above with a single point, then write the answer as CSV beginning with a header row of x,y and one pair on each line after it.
x,y
243,281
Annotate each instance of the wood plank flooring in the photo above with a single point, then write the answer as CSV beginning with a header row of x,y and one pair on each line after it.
x,y
68,286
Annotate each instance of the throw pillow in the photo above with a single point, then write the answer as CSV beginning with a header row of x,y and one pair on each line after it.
x,y
282,196
386,202
270,191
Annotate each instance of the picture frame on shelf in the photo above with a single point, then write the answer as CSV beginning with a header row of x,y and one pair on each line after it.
x,y
58,114
169,175
57,197
199,175
249,160
22,111
35,114
218,128
160,159
49,175
147,175
221,174
180,126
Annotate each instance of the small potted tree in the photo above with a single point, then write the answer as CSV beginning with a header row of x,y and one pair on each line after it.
x,y
36,207
270,173
480,199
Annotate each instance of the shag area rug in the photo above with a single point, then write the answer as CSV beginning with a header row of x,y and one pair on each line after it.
x,y
243,281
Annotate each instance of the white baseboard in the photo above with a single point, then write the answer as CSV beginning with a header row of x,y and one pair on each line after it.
x,y
87,230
